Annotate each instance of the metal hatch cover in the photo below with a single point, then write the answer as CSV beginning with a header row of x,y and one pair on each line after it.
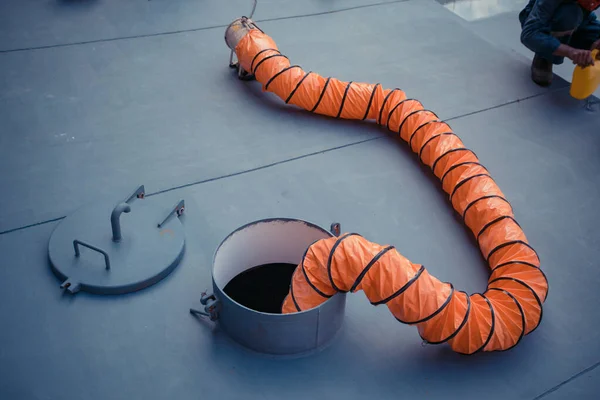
x,y
99,250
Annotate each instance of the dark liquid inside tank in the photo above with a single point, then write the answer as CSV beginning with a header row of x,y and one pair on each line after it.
x,y
262,288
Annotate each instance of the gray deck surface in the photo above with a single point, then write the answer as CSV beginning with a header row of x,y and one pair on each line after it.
x,y
84,113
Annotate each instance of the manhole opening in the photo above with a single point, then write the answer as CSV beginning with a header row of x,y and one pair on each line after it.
x,y
262,288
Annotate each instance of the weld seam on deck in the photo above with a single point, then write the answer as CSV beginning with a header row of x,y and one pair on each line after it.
x,y
577,375
273,164
205,28
20,228
186,185
508,103
287,160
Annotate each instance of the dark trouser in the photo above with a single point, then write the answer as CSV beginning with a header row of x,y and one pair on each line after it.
x,y
571,26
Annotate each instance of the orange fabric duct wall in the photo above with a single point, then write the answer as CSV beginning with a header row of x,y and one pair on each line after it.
x,y
510,308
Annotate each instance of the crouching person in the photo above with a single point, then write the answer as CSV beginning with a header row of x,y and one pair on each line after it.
x,y
555,29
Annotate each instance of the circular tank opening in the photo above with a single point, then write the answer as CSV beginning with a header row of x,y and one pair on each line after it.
x,y
252,273
262,288
253,266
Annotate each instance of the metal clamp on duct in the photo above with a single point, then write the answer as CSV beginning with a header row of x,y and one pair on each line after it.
x,y
235,32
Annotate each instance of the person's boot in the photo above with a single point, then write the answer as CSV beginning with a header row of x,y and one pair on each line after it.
x,y
541,71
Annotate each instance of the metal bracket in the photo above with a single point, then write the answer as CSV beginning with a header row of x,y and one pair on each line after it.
x,y
248,24
177,210
77,243
336,229
138,193
70,286
243,75
231,63
211,307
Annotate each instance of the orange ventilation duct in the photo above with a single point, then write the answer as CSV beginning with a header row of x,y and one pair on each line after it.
x,y
510,308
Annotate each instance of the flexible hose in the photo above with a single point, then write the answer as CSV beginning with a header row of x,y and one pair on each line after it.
x,y
495,320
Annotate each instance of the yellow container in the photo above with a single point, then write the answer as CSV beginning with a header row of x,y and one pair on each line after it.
x,y
586,80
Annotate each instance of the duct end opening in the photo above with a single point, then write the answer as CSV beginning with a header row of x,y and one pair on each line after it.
x,y
252,273
237,30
